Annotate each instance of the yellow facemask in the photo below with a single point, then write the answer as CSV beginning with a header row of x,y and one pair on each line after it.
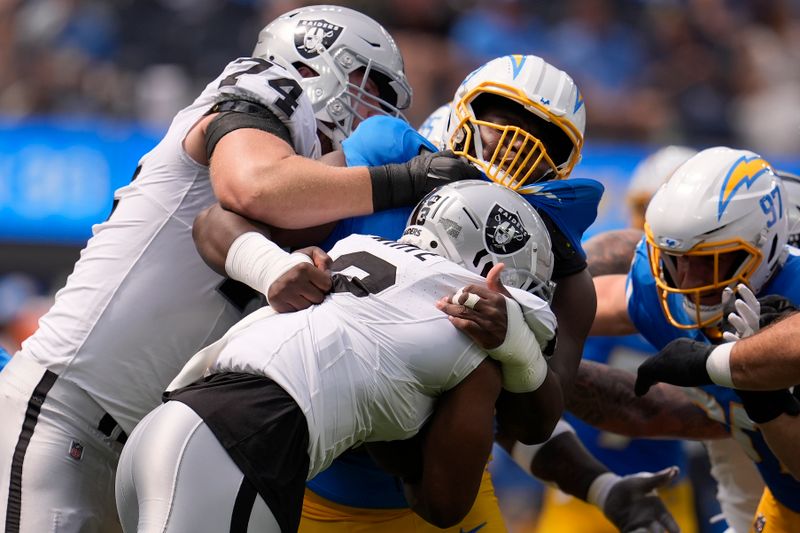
x,y
518,153
663,270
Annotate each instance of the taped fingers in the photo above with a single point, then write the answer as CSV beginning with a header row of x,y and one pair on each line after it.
x,y
470,301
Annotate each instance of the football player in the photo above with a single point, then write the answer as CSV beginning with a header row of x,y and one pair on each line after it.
x,y
353,493
287,393
720,221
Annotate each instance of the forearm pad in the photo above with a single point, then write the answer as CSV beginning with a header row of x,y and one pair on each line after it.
x,y
524,368
258,262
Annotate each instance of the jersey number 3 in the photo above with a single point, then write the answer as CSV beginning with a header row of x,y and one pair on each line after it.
x,y
370,274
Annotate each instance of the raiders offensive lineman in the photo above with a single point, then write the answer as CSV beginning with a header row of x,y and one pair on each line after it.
x,y
140,300
288,393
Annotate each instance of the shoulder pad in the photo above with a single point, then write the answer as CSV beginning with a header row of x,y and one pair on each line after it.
x,y
381,140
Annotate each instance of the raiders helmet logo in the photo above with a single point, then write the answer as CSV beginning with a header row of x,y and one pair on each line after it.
x,y
504,232
313,36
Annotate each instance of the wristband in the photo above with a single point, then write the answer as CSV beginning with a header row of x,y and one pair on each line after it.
x,y
524,368
718,365
390,188
257,261
599,489
765,406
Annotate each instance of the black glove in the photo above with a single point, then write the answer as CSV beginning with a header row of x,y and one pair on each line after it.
x,y
773,308
404,184
764,406
632,504
681,362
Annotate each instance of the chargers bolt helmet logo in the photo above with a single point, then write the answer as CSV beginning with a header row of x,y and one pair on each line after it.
x,y
744,172
314,36
504,232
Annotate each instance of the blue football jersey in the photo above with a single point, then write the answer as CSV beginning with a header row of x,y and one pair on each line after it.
x,y
720,403
570,204
5,357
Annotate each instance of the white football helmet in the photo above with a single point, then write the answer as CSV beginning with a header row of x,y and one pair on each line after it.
x,y
332,42
721,201
649,175
530,88
791,183
477,224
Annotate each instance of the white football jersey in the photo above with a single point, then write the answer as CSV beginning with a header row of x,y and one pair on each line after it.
x,y
365,365
140,301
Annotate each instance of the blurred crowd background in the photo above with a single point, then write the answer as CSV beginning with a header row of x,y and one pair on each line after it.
x,y
697,72
653,72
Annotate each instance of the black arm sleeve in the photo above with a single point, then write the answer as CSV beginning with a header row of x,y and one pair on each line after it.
x,y
237,114
568,259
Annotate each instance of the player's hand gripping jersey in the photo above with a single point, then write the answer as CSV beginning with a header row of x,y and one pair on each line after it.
x,y
141,268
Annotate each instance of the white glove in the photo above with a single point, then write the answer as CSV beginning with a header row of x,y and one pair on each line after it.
x,y
745,318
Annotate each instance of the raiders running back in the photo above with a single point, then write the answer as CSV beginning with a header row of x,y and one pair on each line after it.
x,y
366,365
365,340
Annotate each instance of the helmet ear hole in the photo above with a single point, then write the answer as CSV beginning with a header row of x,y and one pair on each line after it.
x,y
305,70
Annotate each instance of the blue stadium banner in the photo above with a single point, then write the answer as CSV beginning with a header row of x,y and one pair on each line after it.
x,y
57,177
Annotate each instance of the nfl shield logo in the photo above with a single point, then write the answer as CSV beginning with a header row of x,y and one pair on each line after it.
x,y
504,233
760,523
313,36
76,450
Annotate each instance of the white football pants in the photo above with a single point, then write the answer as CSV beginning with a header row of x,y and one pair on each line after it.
x,y
175,477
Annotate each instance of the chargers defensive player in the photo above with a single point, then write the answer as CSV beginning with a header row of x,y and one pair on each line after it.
x,y
287,393
718,222
140,300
